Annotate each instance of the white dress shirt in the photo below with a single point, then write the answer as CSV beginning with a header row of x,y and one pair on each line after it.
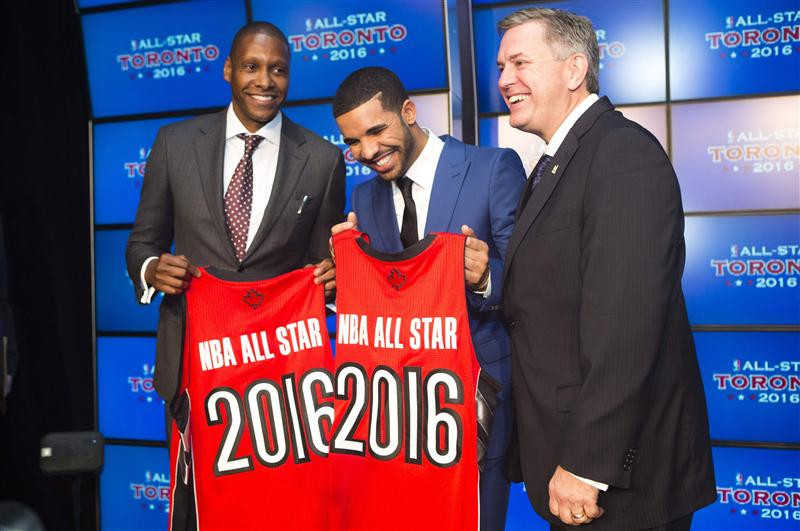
x,y
421,173
552,147
265,165
569,121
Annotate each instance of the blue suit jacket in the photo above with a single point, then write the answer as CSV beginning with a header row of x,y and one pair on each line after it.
x,y
479,187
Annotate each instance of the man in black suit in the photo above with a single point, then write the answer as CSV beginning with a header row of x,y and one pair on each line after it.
x,y
242,189
612,429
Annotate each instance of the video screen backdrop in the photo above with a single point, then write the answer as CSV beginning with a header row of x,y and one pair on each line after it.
x,y
153,64
729,116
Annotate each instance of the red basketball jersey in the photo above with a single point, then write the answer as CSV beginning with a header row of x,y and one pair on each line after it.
x,y
256,406
403,447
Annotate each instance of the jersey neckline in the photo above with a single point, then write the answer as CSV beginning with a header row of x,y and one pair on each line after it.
x,y
409,252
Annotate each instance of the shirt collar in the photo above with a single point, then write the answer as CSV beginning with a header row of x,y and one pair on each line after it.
x,y
424,168
271,130
566,125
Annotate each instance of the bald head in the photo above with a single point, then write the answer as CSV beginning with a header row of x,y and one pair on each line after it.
x,y
257,27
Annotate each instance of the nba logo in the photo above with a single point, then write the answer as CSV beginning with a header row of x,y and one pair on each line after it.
x,y
737,365
734,250
739,478
728,22
148,476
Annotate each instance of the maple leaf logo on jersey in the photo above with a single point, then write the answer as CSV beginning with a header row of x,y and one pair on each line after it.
x,y
396,279
253,298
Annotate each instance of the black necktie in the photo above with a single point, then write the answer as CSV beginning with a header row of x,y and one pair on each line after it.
x,y
535,177
408,232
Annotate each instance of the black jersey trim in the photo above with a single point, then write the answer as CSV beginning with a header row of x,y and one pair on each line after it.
x,y
406,254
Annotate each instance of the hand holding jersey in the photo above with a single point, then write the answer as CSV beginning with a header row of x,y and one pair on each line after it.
x,y
476,253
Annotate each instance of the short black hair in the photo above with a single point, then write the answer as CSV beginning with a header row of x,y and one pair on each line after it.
x,y
363,84
258,26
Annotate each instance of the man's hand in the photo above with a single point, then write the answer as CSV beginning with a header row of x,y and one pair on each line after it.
x,y
170,274
351,223
572,500
476,261
325,273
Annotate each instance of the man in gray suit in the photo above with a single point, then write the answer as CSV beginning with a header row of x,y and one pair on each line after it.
x,y
243,189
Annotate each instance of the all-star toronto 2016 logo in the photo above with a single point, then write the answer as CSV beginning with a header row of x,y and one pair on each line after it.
x,y
152,494
756,36
353,168
134,169
761,496
141,385
757,151
757,379
163,57
349,37
609,49
759,266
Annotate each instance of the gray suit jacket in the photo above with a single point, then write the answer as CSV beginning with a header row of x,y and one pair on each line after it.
x,y
182,204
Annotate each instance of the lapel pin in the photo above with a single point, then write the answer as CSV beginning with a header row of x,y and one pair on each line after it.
x,y
554,170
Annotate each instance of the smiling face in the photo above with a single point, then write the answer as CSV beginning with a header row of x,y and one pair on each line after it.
x,y
258,71
385,141
534,83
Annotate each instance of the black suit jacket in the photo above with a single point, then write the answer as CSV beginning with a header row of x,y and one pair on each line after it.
x,y
605,377
182,204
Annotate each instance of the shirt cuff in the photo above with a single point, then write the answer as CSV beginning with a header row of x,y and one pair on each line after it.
x,y
595,484
487,292
147,291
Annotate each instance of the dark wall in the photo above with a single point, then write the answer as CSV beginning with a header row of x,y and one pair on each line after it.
x,y
44,201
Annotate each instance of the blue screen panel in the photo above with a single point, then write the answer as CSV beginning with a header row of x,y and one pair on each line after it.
x,y
743,270
487,132
734,47
738,155
116,305
128,406
160,58
134,489
756,489
120,152
328,40
319,118
752,384
520,515
632,63
83,4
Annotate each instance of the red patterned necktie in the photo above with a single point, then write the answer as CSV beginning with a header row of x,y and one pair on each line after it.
x,y
239,196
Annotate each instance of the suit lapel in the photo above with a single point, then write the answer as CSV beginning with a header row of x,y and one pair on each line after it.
x,y
385,217
209,150
447,181
552,176
292,159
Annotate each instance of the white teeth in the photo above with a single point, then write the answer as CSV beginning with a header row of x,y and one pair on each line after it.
x,y
517,98
263,98
382,161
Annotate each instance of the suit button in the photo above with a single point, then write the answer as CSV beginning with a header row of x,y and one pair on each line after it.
x,y
512,324
626,467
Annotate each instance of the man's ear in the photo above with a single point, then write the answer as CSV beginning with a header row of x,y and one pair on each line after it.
x,y
227,69
409,112
577,68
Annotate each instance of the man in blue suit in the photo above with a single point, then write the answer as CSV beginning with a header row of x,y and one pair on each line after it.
x,y
429,184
